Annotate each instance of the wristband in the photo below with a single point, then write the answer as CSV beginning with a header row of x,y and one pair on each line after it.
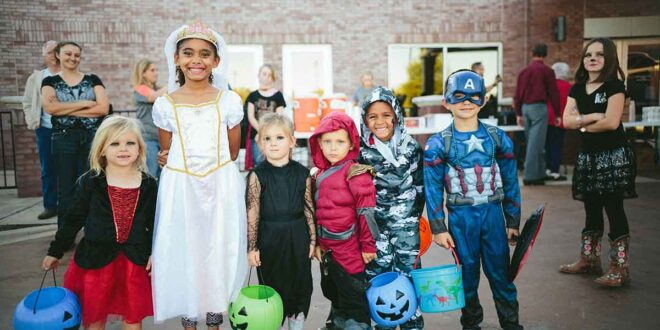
x,y
578,118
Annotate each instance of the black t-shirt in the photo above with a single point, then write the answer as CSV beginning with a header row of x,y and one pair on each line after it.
x,y
264,105
596,102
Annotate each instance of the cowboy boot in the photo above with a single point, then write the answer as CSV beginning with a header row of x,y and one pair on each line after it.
x,y
617,274
589,262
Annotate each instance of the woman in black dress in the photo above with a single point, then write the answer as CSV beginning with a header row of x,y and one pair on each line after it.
x,y
281,229
605,168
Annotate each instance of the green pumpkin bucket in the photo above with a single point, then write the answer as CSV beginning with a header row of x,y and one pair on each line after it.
x,y
257,307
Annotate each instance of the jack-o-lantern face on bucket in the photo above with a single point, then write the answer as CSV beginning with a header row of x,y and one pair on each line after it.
x,y
396,309
392,299
256,307
238,320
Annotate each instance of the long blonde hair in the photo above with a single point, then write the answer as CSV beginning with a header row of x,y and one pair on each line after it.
x,y
137,78
110,130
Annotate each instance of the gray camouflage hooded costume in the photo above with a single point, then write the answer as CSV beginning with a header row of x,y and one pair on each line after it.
x,y
399,182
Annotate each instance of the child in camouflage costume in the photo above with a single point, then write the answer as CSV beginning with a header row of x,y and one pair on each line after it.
x,y
397,159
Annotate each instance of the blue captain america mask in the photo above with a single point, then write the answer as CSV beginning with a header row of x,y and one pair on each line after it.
x,y
468,83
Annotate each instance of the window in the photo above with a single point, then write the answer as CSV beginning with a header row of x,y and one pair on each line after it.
x,y
405,62
460,57
640,61
244,63
306,69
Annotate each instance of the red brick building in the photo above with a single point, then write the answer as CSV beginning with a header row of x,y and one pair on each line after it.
x,y
115,34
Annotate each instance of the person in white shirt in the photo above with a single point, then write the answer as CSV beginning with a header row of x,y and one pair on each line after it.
x,y
39,121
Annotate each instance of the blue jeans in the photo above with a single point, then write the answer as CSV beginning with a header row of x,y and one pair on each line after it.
x,y
71,154
536,126
48,176
257,156
153,147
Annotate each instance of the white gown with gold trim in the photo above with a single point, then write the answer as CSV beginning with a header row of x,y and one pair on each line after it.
x,y
199,252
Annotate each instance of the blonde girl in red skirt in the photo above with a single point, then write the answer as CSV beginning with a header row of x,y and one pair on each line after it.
x,y
115,201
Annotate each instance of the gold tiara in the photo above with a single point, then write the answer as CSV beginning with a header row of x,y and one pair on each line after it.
x,y
197,30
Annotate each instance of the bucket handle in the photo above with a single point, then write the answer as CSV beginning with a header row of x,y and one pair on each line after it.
x,y
41,286
458,262
259,275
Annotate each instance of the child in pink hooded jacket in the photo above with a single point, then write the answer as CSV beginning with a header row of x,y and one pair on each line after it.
x,y
345,199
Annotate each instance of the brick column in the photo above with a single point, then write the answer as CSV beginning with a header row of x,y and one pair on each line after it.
x,y
28,168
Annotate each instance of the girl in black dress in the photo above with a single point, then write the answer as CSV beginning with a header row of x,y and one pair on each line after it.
x,y
605,167
281,229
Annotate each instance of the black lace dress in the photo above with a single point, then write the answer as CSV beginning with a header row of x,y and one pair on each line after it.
x,y
606,161
281,227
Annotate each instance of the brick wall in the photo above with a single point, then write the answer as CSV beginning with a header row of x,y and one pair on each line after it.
x,y
28,168
114,34
23,151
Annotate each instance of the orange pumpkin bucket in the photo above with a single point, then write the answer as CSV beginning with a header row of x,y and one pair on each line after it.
x,y
425,235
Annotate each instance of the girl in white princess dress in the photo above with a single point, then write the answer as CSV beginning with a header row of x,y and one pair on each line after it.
x,y
200,252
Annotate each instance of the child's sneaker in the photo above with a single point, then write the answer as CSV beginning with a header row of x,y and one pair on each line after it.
x,y
297,322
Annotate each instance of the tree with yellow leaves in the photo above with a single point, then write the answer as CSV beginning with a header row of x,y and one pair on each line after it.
x,y
413,87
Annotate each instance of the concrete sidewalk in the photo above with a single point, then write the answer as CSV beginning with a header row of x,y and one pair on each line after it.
x,y
548,299
18,218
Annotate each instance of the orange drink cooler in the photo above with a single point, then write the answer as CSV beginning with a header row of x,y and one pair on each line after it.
x,y
334,102
306,115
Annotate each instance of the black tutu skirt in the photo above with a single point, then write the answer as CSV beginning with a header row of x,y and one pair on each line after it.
x,y
610,171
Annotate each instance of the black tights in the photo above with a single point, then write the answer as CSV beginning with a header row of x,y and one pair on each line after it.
x,y
613,205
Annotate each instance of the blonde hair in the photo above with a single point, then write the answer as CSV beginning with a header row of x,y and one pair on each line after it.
x,y
273,74
137,78
275,120
110,130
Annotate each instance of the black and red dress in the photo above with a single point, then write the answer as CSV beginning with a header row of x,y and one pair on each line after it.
x,y
108,269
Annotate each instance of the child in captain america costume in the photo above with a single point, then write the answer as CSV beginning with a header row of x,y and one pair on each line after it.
x,y
474,163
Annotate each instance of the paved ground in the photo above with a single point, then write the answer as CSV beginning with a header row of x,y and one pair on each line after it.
x,y
548,299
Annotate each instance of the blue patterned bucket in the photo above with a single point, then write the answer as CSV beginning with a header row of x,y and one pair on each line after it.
x,y
439,289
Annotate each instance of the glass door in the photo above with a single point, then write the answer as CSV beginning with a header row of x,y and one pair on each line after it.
x,y
641,63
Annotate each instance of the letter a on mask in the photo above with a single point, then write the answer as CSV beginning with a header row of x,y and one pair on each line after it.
x,y
469,84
